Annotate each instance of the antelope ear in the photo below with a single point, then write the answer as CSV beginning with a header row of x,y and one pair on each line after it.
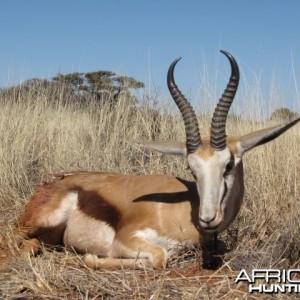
x,y
168,147
260,137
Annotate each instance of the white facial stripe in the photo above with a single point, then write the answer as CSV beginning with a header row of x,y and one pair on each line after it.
x,y
211,184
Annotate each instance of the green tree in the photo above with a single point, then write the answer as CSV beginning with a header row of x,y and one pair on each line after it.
x,y
283,113
74,79
104,85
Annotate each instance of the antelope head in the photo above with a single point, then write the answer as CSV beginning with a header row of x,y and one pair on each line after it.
x,y
215,161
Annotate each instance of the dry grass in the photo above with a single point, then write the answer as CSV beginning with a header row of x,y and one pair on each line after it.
x,y
42,136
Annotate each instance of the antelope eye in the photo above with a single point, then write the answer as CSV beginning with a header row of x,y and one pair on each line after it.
x,y
229,167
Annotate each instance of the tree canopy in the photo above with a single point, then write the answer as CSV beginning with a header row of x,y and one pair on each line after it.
x,y
104,85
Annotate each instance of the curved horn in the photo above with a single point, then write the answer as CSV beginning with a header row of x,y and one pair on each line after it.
x,y
218,123
193,138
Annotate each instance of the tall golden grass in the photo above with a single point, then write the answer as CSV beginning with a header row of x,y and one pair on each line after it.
x,y
40,136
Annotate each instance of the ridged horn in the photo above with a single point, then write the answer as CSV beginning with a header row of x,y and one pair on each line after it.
x,y
193,138
218,123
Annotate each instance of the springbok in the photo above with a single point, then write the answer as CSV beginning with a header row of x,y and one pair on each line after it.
x,y
128,221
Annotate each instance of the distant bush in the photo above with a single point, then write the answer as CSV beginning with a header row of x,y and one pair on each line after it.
x,y
283,113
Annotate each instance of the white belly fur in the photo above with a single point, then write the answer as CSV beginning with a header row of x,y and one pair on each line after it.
x,y
88,235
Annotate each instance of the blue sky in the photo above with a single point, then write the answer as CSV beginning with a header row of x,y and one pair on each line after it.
x,y
141,38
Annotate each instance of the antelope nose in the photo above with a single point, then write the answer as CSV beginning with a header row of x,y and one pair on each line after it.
x,y
208,219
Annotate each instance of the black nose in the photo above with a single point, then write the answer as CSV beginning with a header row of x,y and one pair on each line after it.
x,y
208,219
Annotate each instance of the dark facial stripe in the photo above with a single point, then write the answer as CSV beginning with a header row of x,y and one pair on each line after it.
x,y
225,190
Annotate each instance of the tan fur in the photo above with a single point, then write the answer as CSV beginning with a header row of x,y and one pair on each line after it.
x,y
205,152
127,203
